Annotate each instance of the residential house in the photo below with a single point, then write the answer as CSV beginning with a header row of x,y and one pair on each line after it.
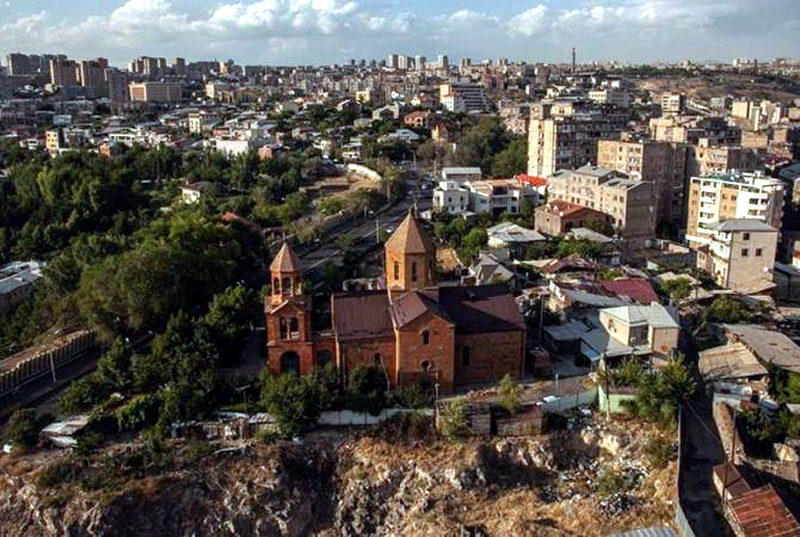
x,y
558,217
513,238
740,255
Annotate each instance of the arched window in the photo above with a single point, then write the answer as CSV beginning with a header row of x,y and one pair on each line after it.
x,y
465,356
396,270
283,327
276,286
286,286
294,329
426,337
414,271
378,359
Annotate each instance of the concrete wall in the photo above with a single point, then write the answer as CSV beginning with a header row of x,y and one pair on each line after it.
x,y
614,402
41,363
363,171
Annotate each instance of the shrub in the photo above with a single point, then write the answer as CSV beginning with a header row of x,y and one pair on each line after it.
x,y
295,402
659,452
453,420
63,471
611,482
22,429
509,394
413,396
366,390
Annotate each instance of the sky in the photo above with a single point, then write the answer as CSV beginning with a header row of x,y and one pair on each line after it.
x,y
283,32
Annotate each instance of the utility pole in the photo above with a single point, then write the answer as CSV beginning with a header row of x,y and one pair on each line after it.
x,y
378,230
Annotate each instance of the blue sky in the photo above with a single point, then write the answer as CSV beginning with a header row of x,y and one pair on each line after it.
x,y
328,31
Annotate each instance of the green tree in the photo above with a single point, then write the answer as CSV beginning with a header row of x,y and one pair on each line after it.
x,y
512,160
295,402
228,319
366,389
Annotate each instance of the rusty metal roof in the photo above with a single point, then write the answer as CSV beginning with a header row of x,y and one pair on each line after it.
x,y
286,261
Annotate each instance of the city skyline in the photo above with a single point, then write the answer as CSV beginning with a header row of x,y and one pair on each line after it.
x,y
333,31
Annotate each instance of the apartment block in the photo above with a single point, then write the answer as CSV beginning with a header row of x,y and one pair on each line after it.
x,y
630,203
91,74
650,161
460,97
705,159
494,196
155,92
691,129
565,136
673,104
740,254
733,195
612,96
117,81
63,72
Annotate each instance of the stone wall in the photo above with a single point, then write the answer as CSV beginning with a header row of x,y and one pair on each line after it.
x,y
491,356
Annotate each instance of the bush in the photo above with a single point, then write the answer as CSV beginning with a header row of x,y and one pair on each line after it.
x,y
64,471
413,396
659,452
509,394
22,429
453,421
611,482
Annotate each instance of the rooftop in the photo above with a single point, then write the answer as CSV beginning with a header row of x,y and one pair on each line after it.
x,y
762,513
18,274
741,224
652,315
286,261
410,238
769,345
730,361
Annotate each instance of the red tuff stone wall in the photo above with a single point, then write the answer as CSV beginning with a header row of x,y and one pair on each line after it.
x,y
362,352
438,352
492,355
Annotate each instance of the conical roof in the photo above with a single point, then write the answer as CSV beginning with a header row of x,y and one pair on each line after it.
x,y
286,261
409,238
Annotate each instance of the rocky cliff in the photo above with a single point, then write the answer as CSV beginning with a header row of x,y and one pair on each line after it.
x,y
364,484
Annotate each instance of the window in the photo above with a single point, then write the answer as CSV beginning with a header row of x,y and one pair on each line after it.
x,y
744,252
286,286
745,236
414,271
294,328
465,356
283,328
426,337
396,270
276,286
378,359
759,252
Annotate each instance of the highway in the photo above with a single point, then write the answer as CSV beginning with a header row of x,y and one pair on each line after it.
x,y
362,230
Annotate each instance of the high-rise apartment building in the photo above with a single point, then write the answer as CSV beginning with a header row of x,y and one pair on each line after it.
x,y
63,72
419,63
30,64
91,74
648,161
155,92
403,62
721,197
443,62
705,158
565,136
117,82
392,61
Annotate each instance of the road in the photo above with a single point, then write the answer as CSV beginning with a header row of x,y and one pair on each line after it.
x,y
702,451
43,392
362,230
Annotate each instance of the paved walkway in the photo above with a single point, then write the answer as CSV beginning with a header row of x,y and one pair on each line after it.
x,y
702,451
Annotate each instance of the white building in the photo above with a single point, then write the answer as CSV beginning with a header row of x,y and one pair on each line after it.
x,y
459,97
16,282
451,197
610,96
460,175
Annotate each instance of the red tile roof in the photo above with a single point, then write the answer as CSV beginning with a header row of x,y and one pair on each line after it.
x,y
637,289
532,180
762,513
561,208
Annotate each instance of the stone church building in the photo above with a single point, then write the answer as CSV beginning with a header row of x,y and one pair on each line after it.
x,y
417,331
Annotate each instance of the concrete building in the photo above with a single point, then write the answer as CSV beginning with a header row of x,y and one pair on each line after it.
x,y
91,73
654,162
461,97
673,104
16,282
63,72
630,204
641,330
562,136
155,92
612,96
117,81
706,158
460,175
494,196
203,121
728,196
740,254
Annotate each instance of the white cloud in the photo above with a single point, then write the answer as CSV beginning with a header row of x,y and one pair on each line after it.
x,y
529,22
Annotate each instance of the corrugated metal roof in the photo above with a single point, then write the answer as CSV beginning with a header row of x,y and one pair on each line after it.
x,y
648,532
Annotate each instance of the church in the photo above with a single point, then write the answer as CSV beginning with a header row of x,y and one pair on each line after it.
x,y
417,331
